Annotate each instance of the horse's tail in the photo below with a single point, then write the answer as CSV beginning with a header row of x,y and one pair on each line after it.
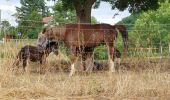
x,y
124,33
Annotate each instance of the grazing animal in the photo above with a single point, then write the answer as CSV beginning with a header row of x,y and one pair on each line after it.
x,y
33,54
80,38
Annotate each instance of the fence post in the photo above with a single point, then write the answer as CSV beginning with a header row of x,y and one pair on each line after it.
x,y
161,51
169,48
150,51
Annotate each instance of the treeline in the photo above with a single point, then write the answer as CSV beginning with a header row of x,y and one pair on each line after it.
x,y
29,18
149,29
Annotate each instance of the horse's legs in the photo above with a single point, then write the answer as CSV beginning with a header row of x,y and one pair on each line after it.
x,y
41,61
42,66
88,58
111,58
84,58
73,60
72,69
118,55
24,64
110,48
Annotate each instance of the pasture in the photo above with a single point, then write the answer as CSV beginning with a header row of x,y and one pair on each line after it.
x,y
138,78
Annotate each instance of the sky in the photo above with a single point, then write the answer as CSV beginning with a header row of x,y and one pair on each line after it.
x,y
103,14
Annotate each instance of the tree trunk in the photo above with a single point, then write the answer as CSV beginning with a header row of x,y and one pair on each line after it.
x,y
83,11
84,15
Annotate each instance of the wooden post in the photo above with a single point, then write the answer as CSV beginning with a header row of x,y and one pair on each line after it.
x,y
169,48
161,51
150,51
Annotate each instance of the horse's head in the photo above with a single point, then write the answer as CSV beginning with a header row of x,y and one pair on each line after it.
x,y
49,33
56,32
52,47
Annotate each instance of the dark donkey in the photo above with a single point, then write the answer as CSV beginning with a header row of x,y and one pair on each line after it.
x,y
79,37
33,54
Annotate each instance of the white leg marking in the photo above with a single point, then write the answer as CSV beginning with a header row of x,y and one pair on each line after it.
x,y
72,69
112,67
118,61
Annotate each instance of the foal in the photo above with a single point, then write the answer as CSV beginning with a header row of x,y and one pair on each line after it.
x,y
33,54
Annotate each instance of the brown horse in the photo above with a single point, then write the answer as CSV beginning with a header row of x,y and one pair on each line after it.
x,y
33,54
85,37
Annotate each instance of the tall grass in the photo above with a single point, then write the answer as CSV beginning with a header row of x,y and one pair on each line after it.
x,y
136,79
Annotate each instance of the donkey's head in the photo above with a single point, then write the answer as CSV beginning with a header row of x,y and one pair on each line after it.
x,y
52,47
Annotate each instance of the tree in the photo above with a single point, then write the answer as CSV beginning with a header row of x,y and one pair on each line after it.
x,y
29,17
83,7
152,28
27,6
60,15
67,15
5,25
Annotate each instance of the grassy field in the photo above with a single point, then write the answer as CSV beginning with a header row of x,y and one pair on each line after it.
x,y
137,79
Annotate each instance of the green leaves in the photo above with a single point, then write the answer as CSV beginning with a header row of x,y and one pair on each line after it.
x,y
63,16
5,25
30,15
83,7
152,27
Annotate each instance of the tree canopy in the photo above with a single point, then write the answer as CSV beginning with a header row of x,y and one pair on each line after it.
x,y
83,7
7,29
66,16
29,17
152,28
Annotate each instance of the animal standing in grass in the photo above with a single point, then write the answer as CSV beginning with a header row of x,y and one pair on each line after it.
x,y
78,37
33,54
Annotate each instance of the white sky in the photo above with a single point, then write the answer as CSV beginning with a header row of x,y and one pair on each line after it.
x,y
103,14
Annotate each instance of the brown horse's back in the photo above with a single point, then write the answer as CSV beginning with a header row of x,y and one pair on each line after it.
x,y
88,35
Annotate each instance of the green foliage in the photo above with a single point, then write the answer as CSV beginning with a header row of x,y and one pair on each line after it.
x,y
152,28
29,17
93,20
7,29
130,21
83,7
133,6
100,53
27,6
30,24
63,15
5,25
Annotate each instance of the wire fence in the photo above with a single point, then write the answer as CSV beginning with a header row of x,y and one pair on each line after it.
x,y
132,51
146,49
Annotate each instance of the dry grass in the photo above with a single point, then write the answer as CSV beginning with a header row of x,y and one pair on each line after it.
x,y
141,80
